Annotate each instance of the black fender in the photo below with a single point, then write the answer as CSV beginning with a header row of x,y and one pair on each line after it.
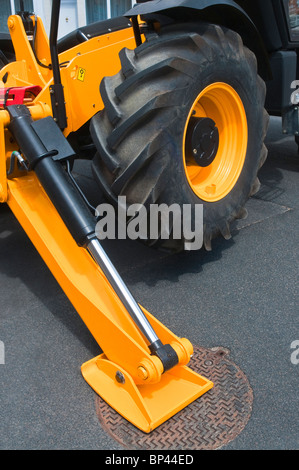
x,y
223,12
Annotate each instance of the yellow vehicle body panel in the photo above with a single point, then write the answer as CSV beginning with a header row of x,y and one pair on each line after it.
x,y
83,68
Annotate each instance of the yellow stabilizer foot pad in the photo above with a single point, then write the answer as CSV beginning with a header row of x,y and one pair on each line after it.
x,y
149,405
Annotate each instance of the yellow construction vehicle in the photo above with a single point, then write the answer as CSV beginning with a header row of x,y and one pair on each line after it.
x,y
157,130
142,371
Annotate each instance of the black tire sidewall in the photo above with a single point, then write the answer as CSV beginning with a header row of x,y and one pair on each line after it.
x,y
162,79
240,76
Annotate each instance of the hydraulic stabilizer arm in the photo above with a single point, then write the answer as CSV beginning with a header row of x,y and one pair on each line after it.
x,y
142,371
34,139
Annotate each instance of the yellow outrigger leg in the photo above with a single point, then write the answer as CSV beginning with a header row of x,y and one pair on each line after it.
x,y
142,373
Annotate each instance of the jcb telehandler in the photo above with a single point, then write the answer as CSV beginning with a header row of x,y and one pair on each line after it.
x,y
183,121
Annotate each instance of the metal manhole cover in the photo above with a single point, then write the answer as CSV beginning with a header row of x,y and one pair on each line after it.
x,y
212,421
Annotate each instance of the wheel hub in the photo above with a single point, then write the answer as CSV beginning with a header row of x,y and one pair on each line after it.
x,y
202,140
215,142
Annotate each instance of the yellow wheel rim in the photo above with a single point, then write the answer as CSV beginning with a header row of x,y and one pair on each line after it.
x,y
221,103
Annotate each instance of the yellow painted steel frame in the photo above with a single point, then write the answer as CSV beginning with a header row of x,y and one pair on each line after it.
x,y
82,70
145,395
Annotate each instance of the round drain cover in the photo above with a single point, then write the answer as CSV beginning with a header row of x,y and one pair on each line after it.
x,y
212,421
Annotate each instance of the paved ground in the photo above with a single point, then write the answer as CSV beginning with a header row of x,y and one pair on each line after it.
x,y
243,296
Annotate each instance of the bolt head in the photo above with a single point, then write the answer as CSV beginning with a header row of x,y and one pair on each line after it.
x,y
119,377
11,23
142,373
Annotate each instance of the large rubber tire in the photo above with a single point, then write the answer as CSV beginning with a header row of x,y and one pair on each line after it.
x,y
140,135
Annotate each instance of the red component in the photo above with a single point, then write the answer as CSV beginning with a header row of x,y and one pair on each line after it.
x,y
18,95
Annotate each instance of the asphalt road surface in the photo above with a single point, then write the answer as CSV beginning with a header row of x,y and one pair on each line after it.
x,y
242,296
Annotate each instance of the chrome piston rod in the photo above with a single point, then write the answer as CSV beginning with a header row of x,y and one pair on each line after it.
x,y
98,253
